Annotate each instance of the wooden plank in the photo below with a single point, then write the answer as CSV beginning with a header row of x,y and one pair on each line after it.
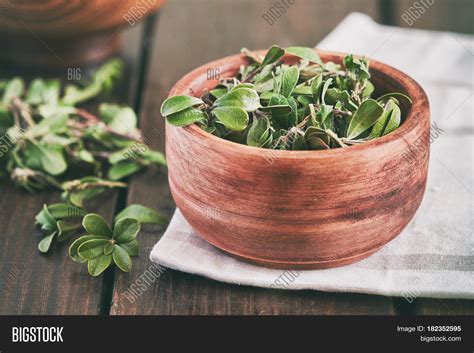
x,y
424,306
52,284
219,28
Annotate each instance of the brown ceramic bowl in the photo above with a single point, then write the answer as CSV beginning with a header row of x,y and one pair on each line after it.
x,y
300,209
66,33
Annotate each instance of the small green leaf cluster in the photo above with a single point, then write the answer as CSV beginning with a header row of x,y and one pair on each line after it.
x,y
309,105
100,246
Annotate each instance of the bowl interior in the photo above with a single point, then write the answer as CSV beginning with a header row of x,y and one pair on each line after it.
x,y
384,77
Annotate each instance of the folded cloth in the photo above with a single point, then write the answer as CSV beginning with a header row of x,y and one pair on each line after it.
x,y
434,255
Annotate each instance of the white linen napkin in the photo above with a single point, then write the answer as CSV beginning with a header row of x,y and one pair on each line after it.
x,y
434,255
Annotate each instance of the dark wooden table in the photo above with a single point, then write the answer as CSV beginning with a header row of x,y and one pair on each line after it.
x,y
157,55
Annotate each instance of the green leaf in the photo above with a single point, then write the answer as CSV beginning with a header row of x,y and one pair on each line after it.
x,y
14,88
381,124
54,124
289,80
390,120
316,143
86,156
126,230
325,89
35,92
154,157
109,248
73,254
316,87
45,243
233,118
50,158
79,197
293,118
334,95
264,75
324,116
66,230
124,121
121,155
313,132
122,259
273,55
132,248
51,93
394,121
244,85
218,92
364,118
259,134
317,139
368,90
278,109
46,219
92,249
245,98
177,104
108,111
299,144
278,105
305,53
303,89
387,96
63,211
123,170
264,86
142,214
187,117
94,224
99,265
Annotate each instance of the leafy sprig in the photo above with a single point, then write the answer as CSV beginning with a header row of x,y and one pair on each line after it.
x,y
100,246
309,105
50,142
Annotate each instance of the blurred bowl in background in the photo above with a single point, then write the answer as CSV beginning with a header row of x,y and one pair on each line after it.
x,y
52,33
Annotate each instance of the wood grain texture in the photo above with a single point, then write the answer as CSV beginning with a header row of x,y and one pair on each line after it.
x,y
425,306
73,18
289,209
50,284
184,294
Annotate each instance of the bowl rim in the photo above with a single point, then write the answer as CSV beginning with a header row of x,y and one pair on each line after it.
x,y
419,106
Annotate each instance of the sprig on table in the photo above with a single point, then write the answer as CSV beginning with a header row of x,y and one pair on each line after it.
x,y
101,245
